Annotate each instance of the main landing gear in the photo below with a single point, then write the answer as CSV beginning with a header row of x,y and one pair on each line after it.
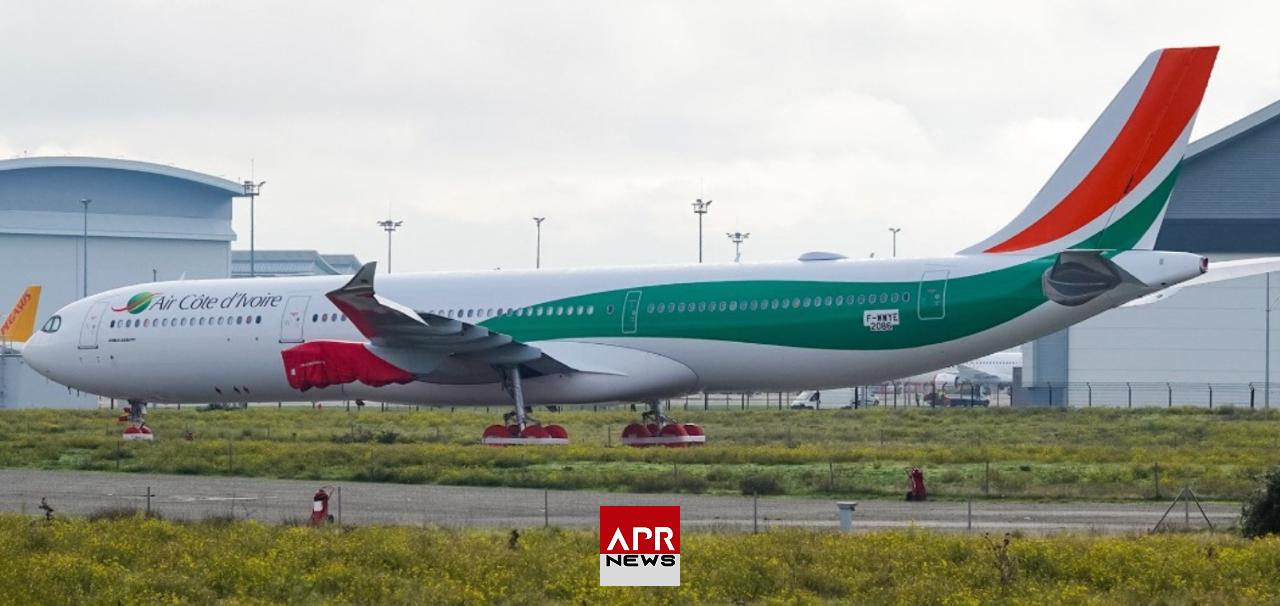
x,y
657,429
137,428
519,428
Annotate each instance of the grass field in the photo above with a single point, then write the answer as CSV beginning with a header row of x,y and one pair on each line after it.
x,y
140,561
1072,454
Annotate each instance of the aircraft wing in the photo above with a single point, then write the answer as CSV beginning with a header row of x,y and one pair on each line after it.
x,y
973,375
1224,270
405,345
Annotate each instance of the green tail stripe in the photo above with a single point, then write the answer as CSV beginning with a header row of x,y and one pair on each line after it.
x,y
1125,233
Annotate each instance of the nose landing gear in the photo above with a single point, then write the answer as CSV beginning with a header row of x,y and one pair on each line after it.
x,y
137,428
518,428
657,429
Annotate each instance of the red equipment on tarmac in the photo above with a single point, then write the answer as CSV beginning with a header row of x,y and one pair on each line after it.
x,y
320,507
915,485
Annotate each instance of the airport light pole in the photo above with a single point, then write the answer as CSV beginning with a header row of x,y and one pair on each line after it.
x,y
251,191
894,231
390,225
537,258
84,249
737,237
1266,378
700,208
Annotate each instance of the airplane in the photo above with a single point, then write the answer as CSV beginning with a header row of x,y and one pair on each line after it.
x,y
20,324
1083,245
991,370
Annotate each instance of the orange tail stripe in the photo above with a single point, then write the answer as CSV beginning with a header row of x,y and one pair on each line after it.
x,y
1167,105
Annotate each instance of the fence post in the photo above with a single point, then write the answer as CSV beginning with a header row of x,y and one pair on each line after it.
x,y
755,513
1050,384
706,403
1251,394
546,508
1130,388
1090,388
1157,475
1210,395
986,479
1169,386
831,477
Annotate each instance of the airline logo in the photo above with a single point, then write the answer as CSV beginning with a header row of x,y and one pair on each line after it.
x,y
639,546
137,303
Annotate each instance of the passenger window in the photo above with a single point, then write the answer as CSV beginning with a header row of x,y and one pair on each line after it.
x,y
906,297
733,306
755,305
795,302
608,310
827,301
723,306
862,299
786,303
702,306
893,298
839,300
239,320
649,309
591,310
808,301
884,297
559,310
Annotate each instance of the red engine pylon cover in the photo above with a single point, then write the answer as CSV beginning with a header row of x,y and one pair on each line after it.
x,y
320,364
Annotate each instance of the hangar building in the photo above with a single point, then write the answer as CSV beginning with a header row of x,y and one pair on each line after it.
x,y
277,263
1204,344
143,222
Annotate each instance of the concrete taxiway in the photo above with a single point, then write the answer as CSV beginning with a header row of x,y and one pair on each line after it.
x,y
195,497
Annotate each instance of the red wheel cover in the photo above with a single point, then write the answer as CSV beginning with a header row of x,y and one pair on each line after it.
x,y
534,431
556,431
673,430
497,431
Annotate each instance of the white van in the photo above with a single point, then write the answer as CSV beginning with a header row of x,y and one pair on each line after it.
x,y
844,397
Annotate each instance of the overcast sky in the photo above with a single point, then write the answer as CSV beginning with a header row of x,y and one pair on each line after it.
x,y
813,126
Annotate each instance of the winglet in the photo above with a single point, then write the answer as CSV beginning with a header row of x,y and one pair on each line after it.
x,y
21,322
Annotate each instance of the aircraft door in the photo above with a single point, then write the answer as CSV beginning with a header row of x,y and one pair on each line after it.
x,y
631,312
932,299
92,321
294,318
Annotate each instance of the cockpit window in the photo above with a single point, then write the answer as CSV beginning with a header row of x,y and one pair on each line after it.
x,y
52,324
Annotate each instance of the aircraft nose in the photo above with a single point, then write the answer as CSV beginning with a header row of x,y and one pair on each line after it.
x,y
39,352
35,352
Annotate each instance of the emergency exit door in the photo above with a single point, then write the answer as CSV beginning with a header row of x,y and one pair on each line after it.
x,y
92,322
295,317
631,313
932,299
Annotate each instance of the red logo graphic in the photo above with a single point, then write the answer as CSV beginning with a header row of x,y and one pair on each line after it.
x,y
639,545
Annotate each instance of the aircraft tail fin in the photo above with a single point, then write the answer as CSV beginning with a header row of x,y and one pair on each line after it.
x,y
21,321
1112,189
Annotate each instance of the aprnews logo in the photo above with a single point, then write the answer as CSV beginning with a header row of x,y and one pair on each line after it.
x,y
639,545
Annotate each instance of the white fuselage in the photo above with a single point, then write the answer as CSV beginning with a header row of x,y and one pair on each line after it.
x,y
221,340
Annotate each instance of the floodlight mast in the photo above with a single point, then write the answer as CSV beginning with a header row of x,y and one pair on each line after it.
x,y
737,237
894,231
537,259
251,191
700,208
390,226
84,249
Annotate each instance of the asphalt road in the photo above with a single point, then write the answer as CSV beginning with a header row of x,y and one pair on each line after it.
x,y
194,497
